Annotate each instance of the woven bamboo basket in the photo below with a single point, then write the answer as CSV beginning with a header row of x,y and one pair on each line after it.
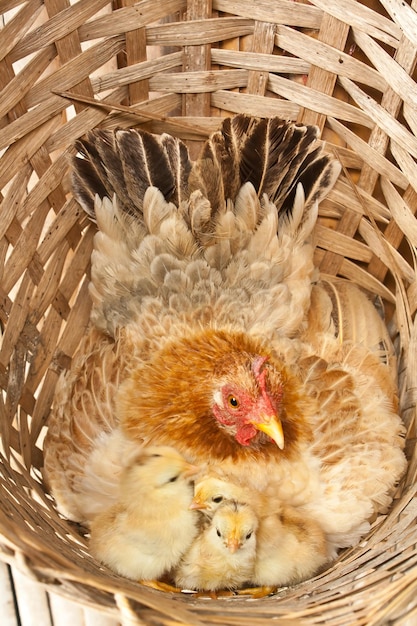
x,y
180,66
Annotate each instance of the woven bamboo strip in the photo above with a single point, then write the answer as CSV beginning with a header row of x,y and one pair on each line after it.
x,y
78,68
136,72
404,16
19,86
334,33
262,42
369,154
400,211
56,27
392,128
348,158
198,32
196,60
13,200
17,27
248,103
284,12
318,102
342,244
360,276
329,58
43,189
34,120
129,19
407,164
259,61
363,18
199,82
396,77
410,117
384,251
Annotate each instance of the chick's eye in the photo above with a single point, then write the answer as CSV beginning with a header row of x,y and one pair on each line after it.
x,y
232,401
173,479
217,499
249,535
218,532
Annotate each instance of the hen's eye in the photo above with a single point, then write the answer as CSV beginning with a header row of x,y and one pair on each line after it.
x,y
217,499
233,401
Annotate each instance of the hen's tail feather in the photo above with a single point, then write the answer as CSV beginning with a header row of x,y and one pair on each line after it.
x,y
272,154
126,163
89,176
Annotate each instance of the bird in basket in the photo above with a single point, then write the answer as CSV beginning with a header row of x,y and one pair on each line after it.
x,y
223,555
213,332
290,545
129,537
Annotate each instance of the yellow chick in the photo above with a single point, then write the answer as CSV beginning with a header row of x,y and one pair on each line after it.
x,y
223,556
211,489
291,547
146,532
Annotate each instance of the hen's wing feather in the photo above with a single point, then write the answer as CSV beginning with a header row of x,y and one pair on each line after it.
x,y
84,454
342,310
352,375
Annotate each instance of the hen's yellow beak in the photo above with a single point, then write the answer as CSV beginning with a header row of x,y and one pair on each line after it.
x,y
272,427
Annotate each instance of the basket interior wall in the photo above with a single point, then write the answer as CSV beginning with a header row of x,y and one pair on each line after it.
x,y
180,66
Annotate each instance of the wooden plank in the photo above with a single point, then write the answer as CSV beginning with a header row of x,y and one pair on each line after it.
x,y
65,612
96,618
32,601
7,605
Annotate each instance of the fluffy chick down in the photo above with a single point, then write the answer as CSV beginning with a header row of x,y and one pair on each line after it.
x,y
144,535
223,555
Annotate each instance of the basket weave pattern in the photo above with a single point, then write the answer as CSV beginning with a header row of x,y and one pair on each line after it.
x,y
179,66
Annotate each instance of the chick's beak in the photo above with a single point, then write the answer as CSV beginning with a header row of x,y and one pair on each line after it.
x,y
233,544
197,505
272,427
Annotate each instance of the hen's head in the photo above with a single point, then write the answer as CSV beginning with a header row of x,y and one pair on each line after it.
x,y
247,404
215,394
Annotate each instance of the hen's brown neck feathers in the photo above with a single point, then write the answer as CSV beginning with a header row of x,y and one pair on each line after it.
x,y
170,399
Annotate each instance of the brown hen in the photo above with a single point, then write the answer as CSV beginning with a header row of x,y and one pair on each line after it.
x,y
212,332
